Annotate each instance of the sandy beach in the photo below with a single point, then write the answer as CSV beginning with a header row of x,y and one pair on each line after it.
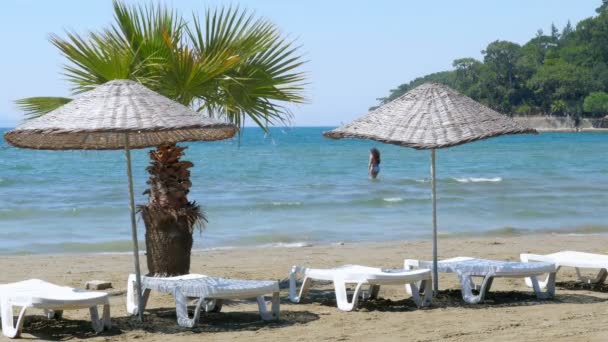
x,y
511,312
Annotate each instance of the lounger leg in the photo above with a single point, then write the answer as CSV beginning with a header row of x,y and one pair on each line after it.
x,y
467,285
131,296
342,297
541,283
485,287
100,324
415,293
420,287
53,314
549,284
181,309
408,288
293,286
144,299
474,285
97,324
599,279
6,314
132,301
372,293
535,257
107,322
275,307
133,307
425,287
213,305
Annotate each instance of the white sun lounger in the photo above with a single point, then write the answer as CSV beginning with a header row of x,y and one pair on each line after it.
x,y
53,299
419,280
577,260
210,292
466,268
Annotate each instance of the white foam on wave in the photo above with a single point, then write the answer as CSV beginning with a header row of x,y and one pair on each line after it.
x,y
478,179
218,248
393,199
288,244
286,203
579,234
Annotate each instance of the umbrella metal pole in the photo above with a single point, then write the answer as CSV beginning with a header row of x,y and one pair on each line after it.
x,y
140,312
434,197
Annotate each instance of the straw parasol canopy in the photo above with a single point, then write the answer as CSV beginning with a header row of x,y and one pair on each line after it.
x,y
120,114
99,119
430,116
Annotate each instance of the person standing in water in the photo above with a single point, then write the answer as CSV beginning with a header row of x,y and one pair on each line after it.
x,y
374,163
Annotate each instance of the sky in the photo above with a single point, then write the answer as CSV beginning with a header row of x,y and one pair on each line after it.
x,y
356,50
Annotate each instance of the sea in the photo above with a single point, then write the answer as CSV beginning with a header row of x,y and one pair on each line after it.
x,y
293,187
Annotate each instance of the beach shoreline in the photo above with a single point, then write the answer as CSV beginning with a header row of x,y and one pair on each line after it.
x,y
576,311
589,231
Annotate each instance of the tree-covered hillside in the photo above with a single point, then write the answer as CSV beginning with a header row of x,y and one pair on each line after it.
x,y
564,72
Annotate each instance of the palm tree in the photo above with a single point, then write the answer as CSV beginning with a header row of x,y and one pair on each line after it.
x,y
230,65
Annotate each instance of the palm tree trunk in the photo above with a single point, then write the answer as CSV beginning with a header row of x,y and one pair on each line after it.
x,y
169,217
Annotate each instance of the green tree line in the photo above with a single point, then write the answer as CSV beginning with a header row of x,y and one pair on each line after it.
x,y
564,72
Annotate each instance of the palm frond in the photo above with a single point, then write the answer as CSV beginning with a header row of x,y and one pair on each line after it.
x,y
145,29
266,77
38,106
94,60
229,64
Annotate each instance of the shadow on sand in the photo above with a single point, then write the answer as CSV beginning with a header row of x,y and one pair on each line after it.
x,y
453,298
580,286
162,321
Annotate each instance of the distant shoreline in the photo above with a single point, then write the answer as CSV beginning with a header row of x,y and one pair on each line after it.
x,y
547,123
571,130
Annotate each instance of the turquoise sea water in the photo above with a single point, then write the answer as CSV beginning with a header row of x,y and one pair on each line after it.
x,y
296,187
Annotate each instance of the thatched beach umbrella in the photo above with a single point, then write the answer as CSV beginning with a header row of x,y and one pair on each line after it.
x,y
428,117
119,114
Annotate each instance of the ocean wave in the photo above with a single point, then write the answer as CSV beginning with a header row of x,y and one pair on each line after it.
x,y
505,231
266,205
279,204
477,179
411,181
81,247
21,167
393,199
513,231
59,212
299,244
384,201
6,182
583,230
272,238
501,231
417,181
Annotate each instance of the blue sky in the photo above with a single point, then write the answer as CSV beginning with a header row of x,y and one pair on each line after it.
x,y
357,49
